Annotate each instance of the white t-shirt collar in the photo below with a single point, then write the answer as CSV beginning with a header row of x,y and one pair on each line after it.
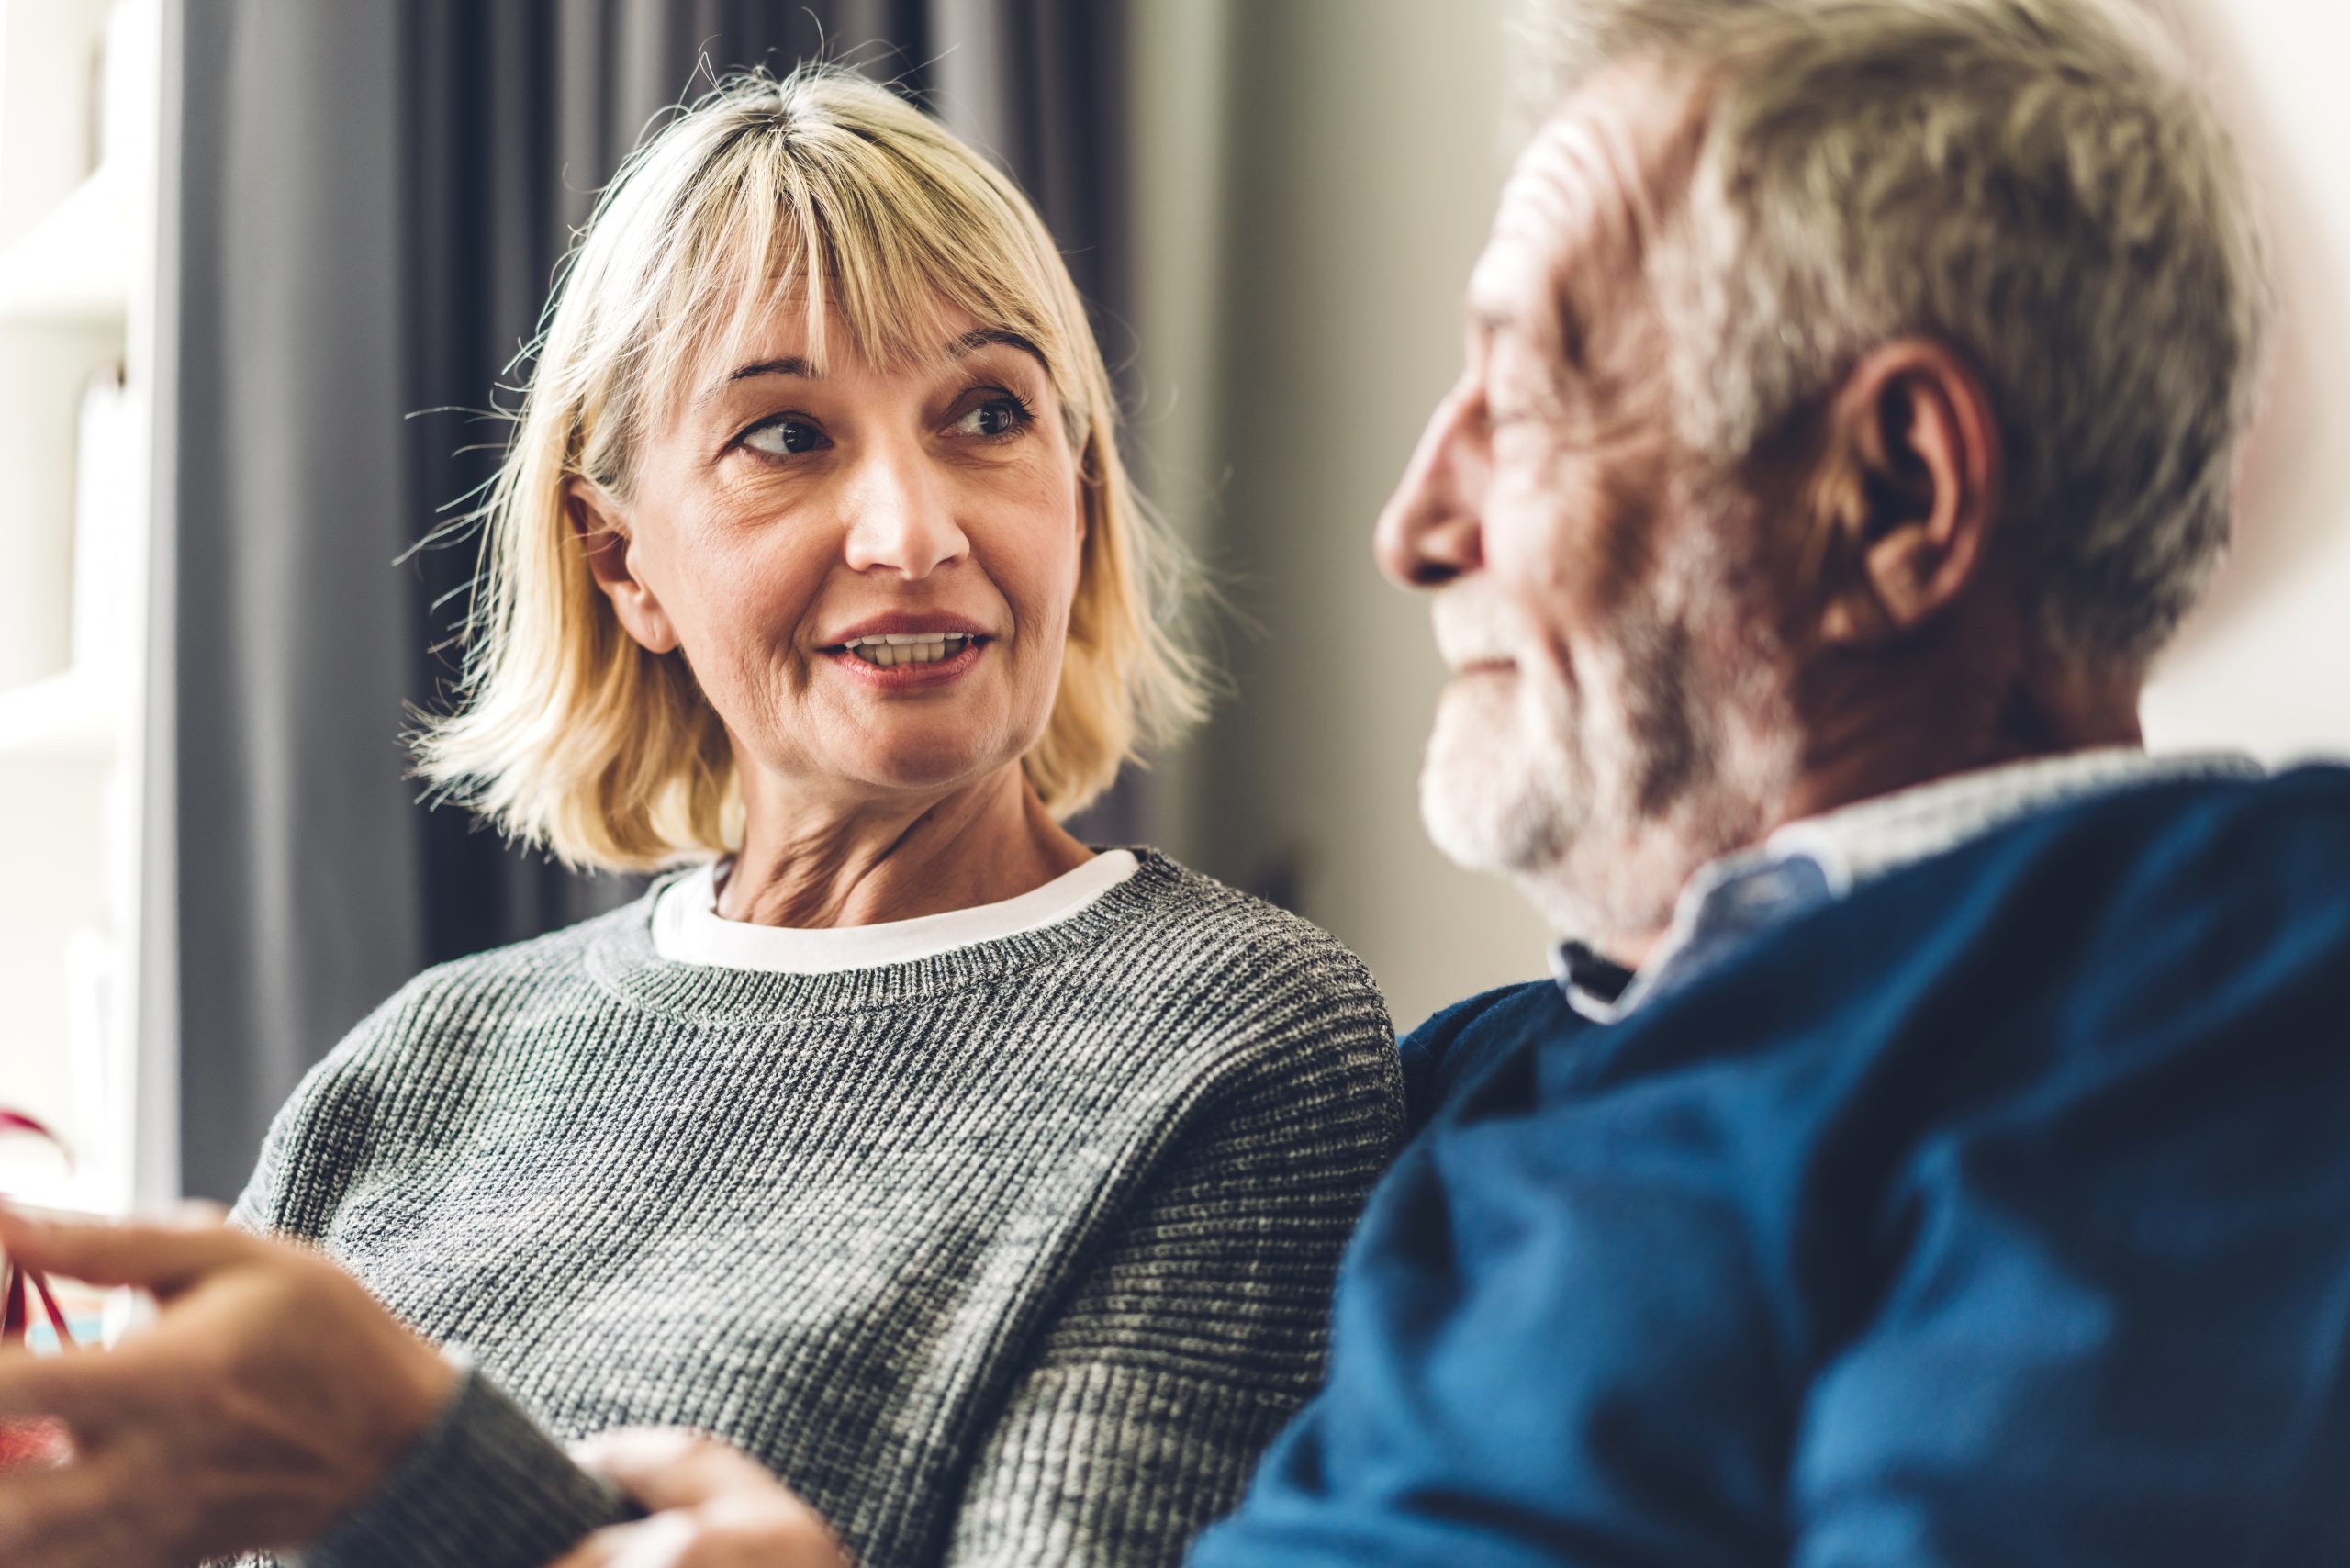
x,y
688,928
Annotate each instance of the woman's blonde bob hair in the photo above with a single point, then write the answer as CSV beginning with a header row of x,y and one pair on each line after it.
x,y
825,188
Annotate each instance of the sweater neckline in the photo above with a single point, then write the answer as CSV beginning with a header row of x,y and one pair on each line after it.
x,y
623,960
687,925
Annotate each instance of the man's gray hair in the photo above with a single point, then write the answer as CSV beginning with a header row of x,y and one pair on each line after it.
x,y
2037,183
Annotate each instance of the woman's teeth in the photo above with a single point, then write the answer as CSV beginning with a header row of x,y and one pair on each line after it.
x,y
894,648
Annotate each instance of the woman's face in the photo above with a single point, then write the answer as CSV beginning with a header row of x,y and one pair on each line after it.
x,y
869,569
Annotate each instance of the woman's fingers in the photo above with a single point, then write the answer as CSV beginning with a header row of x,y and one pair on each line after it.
x,y
164,1259
85,1392
272,1395
714,1506
670,1467
664,1541
57,1518
687,1539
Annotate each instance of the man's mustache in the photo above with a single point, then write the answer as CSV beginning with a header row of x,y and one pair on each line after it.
x,y
1475,625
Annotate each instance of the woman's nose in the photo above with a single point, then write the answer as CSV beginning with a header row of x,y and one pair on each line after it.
x,y
1430,531
902,518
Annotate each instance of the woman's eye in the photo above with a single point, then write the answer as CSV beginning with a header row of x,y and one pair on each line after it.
x,y
997,415
784,438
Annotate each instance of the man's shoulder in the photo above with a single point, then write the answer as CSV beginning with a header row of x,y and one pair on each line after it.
x,y
2301,808
2167,853
1461,1044
2158,922
2175,903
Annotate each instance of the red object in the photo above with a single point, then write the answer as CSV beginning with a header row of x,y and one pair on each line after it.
x,y
21,1290
33,1443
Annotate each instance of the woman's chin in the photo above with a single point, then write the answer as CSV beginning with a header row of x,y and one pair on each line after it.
x,y
915,766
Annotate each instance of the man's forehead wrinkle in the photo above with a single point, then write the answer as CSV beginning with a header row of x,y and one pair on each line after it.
x,y
1591,185
1551,230
1651,122
1534,229
1584,207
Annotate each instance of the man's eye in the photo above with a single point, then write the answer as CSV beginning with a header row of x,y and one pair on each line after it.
x,y
995,417
784,438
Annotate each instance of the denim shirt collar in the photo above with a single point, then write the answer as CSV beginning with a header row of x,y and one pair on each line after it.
x,y
1818,859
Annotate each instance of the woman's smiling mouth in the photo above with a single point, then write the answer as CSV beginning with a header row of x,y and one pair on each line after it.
x,y
889,649
899,661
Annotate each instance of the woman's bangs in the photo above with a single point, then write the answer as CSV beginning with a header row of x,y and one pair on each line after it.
x,y
895,260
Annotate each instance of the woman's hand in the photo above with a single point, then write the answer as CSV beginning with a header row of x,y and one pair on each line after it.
x,y
713,1506
272,1395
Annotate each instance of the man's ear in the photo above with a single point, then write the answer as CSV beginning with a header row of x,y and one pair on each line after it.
x,y
604,537
1906,494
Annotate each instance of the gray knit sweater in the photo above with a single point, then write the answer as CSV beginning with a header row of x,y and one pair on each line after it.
x,y
1017,1255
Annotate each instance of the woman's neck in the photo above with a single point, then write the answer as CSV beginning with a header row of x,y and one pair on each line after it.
x,y
818,867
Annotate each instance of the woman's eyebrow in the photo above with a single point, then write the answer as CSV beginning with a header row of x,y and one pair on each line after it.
x,y
969,343
791,365
983,337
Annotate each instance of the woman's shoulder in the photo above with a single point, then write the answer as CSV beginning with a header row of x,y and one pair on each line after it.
x,y
1261,1002
1246,981
1203,925
464,998
437,1032
551,957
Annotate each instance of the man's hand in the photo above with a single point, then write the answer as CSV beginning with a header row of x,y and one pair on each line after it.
x,y
271,1395
713,1506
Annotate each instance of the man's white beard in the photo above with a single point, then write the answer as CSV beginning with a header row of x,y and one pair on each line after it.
x,y
1601,797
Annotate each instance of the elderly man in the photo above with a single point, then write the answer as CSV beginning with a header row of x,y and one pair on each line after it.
x,y
1936,1149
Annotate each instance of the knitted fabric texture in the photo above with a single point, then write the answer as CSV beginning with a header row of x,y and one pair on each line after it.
x,y
1016,1255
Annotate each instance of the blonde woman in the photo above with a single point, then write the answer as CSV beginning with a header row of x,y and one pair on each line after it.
x,y
983,1187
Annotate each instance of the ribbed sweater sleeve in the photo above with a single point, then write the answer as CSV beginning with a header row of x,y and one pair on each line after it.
x,y
485,1484
1198,1330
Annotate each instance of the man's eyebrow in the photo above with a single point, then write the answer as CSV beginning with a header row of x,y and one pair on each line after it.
x,y
1490,322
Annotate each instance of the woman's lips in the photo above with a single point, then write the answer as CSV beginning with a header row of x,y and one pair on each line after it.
x,y
911,676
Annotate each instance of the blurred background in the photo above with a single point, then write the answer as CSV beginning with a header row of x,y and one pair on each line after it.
x,y
259,257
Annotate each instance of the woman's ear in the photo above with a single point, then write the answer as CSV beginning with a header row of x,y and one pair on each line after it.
x,y
1906,494
612,551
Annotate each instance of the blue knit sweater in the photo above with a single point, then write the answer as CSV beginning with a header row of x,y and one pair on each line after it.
x,y
1996,1214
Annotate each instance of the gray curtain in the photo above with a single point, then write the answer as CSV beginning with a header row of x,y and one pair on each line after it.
x,y
373,198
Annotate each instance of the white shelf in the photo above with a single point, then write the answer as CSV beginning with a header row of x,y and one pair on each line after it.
x,y
67,718
35,1176
82,340
74,265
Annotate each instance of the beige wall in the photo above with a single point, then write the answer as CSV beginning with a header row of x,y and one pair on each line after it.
x,y
2265,664
1317,176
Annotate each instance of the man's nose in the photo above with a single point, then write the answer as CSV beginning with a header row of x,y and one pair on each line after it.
x,y
1429,532
902,517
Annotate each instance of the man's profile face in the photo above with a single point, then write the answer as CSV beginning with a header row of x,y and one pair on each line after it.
x,y
1578,584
